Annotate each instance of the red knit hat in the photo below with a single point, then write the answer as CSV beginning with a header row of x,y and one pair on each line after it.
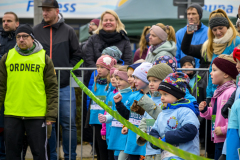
x,y
236,54
96,21
226,64
106,61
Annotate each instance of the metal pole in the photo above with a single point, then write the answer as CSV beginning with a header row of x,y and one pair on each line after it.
x,y
58,123
93,128
37,12
196,85
206,127
70,118
82,118
93,141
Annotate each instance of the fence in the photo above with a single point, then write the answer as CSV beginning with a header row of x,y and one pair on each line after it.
x,y
73,84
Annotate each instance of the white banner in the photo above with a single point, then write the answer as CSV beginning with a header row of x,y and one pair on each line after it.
x,y
80,9
83,9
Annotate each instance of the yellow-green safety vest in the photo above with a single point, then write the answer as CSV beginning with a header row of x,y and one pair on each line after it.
x,y
25,95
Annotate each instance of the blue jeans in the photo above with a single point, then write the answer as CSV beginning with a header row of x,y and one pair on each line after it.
x,y
64,114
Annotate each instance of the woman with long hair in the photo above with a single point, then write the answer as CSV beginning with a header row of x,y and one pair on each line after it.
x,y
141,52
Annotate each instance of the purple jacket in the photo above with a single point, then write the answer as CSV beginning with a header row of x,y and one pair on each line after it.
x,y
220,121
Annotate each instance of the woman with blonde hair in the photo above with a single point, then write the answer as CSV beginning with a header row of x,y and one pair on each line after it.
x,y
222,39
111,32
163,42
141,52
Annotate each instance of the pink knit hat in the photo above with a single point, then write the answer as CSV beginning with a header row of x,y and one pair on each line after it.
x,y
106,61
121,74
112,70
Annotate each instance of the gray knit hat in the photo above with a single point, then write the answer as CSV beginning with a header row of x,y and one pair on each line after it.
x,y
198,8
160,71
218,21
113,51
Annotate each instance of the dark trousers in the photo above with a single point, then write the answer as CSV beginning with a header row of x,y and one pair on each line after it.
x,y
111,155
101,145
133,157
14,131
218,150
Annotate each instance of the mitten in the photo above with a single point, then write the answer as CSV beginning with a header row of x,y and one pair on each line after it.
x,y
136,108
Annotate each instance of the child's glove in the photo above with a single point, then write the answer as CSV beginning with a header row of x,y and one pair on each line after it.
x,y
102,118
136,108
155,134
224,110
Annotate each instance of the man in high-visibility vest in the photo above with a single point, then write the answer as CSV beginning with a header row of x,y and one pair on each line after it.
x,y
29,90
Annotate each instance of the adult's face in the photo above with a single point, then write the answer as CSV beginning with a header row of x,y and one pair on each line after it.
x,y
153,39
24,40
193,16
50,15
9,22
219,31
92,27
109,23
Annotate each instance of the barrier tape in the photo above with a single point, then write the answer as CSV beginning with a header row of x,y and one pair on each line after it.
x,y
163,145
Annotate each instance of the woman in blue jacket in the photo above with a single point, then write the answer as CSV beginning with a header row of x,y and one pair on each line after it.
x,y
222,39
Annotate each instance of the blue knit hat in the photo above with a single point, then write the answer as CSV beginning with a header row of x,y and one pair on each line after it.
x,y
134,66
142,70
175,84
169,60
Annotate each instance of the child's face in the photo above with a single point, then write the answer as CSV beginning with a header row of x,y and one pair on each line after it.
x,y
113,81
167,98
102,72
139,84
238,65
121,84
130,77
217,75
187,65
153,84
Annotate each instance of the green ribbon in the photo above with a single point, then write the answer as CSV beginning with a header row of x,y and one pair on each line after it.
x,y
163,145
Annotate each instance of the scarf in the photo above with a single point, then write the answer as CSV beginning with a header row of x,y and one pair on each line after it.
x,y
102,80
156,46
125,90
113,37
26,51
155,94
219,45
223,87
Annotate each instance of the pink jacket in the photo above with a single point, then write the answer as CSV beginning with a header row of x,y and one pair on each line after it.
x,y
219,121
103,130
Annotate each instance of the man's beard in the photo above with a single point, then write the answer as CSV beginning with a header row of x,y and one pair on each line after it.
x,y
90,32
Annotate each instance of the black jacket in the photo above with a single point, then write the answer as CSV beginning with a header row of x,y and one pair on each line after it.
x,y
95,45
201,87
65,46
7,41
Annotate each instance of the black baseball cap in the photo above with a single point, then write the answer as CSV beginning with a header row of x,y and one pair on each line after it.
x,y
49,3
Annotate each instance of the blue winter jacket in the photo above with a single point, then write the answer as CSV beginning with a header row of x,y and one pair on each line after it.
x,y
90,84
199,37
178,125
95,108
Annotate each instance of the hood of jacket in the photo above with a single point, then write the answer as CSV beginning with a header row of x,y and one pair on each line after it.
x,y
37,48
56,25
168,46
184,103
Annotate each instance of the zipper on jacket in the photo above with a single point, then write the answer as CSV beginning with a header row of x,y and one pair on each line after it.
x,y
51,42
